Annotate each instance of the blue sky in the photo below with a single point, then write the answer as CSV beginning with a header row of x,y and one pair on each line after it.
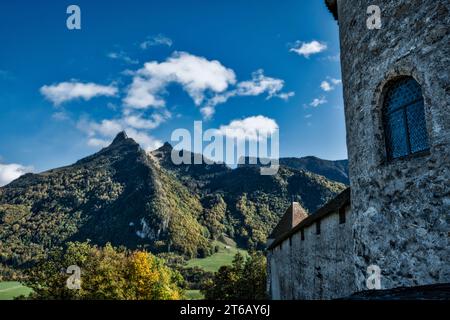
x,y
64,92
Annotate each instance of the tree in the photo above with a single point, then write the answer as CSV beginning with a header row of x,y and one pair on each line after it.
x,y
152,279
245,279
106,273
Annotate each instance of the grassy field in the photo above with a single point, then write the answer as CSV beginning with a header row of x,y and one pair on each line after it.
x,y
194,295
11,289
223,257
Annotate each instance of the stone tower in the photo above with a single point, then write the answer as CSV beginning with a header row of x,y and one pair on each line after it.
x,y
396,90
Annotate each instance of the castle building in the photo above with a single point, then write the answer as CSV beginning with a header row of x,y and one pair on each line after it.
x,y
395,215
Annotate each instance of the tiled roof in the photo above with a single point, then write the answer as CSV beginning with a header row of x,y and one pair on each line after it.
x,y
293,216
330,207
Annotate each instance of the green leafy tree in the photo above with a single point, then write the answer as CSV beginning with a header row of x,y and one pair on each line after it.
x,y
106,273
245,279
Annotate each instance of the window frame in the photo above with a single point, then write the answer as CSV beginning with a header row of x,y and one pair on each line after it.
x,y
385,114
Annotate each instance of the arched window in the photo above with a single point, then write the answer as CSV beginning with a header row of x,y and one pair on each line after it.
x,y
404,119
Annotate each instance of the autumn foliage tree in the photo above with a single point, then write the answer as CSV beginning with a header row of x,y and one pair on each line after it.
x,y
152,279
106,273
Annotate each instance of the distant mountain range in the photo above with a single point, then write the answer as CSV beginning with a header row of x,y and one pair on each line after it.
x,y
333,170
128,197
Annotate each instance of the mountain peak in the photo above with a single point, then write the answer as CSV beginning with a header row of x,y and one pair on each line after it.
x,y
121,136
166,147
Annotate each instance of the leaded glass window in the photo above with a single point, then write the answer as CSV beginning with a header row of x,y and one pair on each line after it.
x,y
404,119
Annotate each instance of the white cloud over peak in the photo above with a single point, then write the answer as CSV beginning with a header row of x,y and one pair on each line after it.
x,y
307,49
97,139
157,40
12,171
136,125
251,128
98,143
137,121
68,91
196,75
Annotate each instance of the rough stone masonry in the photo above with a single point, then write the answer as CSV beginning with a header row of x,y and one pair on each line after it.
x,y
399,217
401,208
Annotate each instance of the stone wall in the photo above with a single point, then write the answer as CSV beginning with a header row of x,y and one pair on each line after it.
x,y
318,267
401,208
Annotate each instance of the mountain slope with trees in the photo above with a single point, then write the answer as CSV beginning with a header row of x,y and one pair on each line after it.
x,y
127,197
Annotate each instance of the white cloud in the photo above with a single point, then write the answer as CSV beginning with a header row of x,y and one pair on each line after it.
x,y
286,95
128,72
108,128
67,91
336,81
138,122
326,86
10,172
318,101
147,141
98,143
196,75
308,116
259,84
307,49
160,39
111,106
207,82
251,128
121,55
333,58
330,84
60,116
207,112
262,84
100,134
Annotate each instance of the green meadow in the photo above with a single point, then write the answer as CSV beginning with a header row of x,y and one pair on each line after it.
x,y
11,289
223,257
